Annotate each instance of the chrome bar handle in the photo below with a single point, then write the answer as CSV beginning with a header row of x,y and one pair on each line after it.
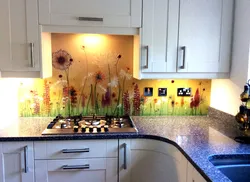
x,y
75,167
32,55
25,150
183,49
68,151
125,156
90,19
147,53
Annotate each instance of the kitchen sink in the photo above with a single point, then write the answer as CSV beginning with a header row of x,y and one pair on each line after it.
x,y
236,167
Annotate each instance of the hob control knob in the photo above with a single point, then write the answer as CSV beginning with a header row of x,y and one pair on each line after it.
x,y
106,128
75,128
91,128
99,128
84,129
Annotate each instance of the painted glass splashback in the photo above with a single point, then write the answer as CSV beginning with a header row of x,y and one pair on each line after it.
x,y
93,74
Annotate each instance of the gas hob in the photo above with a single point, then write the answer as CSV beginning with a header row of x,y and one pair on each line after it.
x,y
90,124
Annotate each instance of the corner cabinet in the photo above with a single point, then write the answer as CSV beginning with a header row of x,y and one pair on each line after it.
x,y
186,39
108,13
150,160
16,162
20,44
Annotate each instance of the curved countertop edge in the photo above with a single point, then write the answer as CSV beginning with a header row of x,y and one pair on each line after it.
x,y
107,136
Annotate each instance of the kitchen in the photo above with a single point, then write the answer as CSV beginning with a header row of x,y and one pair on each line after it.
x,y
121,90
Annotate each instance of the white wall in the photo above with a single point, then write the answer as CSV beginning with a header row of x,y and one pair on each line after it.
x,y
225,96
8,101
225,93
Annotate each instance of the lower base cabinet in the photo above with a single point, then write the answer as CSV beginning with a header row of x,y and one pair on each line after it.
x,y
76,161
16,162
145,160
76,170
123,160
151,161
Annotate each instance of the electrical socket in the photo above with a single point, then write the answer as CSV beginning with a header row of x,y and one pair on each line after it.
x,y
185,92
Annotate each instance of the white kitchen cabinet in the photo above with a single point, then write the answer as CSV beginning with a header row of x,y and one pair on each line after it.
x,y
17,162
193,175
108,13
91,160
150,160
76,170
205,35
159,35
20,39
186,39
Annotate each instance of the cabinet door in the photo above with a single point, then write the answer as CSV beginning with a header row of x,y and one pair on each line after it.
x,y
19,35
16,162
124,167
108,13
205,30
159,35
150,160
76,170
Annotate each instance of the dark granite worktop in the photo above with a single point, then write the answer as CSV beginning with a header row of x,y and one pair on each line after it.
x,y
198,137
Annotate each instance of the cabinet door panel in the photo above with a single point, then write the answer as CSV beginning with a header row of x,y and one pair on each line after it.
x,y
21,22
5,50
148,166
151,160
159,36
12,168
200,32
115,13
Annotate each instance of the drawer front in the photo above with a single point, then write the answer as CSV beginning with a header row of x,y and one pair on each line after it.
x,y
76,170
114,13
76,164
74,149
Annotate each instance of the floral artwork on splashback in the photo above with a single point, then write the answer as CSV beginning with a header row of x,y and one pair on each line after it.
x,y
95,77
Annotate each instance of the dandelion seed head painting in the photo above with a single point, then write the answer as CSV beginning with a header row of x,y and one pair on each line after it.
x,y
96,77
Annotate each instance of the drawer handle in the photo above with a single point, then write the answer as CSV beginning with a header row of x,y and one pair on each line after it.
x,y
68,151
90,19
32,55
125,156
183,49
147,53
70,167
25,150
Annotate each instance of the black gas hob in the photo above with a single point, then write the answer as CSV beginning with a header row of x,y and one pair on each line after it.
x,y
90,124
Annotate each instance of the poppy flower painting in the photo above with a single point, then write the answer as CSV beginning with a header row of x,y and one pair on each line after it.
x,y
61,59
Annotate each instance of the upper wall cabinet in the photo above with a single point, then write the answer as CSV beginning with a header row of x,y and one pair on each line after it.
x,y
19,45
205,35
107,13
186,38
159,35
20,39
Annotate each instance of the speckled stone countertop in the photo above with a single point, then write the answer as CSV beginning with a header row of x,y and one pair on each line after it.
x,y
198,137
